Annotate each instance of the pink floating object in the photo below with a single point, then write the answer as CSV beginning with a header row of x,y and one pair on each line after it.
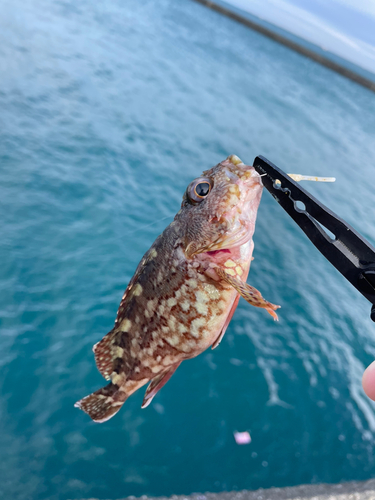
x,y
242,437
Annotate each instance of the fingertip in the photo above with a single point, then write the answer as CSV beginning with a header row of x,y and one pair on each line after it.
x,y
368,381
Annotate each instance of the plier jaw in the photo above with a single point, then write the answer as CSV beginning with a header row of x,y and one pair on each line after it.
x,y
351,254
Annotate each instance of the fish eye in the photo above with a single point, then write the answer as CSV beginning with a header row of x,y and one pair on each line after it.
x,y
202,189
199,189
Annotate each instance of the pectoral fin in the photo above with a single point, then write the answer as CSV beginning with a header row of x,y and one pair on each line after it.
x,y
157,383
248,292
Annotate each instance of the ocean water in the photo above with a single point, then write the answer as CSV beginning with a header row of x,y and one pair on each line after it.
x,y
108,111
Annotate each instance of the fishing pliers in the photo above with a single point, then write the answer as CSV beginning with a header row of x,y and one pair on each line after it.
x,y
351,254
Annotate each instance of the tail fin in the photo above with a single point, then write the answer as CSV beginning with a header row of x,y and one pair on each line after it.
x,y
101,405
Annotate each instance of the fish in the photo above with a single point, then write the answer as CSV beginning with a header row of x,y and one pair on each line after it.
x,y
185,289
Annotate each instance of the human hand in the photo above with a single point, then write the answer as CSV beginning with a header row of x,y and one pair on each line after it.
x,y
368,381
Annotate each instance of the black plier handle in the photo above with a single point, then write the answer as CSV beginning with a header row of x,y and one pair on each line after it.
x,y
347,250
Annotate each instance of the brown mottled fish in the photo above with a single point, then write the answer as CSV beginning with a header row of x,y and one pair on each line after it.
x,y
185,289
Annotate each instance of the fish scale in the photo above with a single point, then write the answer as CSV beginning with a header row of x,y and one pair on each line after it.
x,y
185,289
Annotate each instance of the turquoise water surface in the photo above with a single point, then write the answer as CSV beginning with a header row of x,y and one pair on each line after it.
x,y
108,111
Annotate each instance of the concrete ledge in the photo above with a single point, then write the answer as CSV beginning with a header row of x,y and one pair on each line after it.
x,y
355,490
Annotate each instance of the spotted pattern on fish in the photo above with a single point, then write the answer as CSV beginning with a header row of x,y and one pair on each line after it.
x,y
185,289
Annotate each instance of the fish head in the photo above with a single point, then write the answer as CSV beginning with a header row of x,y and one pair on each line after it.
x,y
219,208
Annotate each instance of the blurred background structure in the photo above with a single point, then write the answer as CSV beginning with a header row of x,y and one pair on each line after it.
x,y
341,27
108,110
357,61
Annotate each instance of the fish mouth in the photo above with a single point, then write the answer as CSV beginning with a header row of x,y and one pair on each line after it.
x,y
237,239
235,249
233,224
240,233
240,220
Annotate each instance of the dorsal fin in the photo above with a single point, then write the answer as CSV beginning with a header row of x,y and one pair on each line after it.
x,y
103,354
